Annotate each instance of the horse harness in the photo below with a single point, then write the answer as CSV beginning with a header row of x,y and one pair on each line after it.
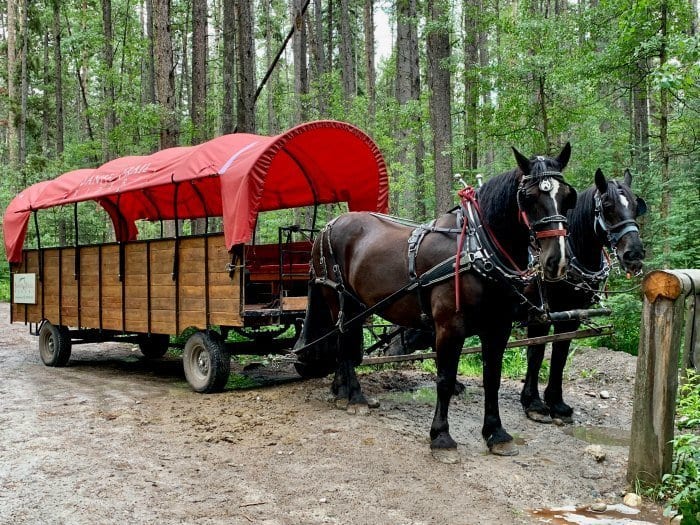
x,y
478,251
590,281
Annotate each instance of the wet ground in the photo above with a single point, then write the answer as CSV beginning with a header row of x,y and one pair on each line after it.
x,y
114,438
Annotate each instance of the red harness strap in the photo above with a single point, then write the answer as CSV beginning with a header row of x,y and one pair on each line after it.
x,y
467,194
543,234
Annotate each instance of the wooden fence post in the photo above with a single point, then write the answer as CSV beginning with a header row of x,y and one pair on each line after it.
x,y
656,382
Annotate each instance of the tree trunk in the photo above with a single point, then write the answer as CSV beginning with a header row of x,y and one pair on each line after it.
x,y
438,56
228,68
640,118
269,57
246,67
665,211
301,82
471,87
12,117
45,105
124,43
369,57
110,117
24,87
198,107
487,151
347,56
320,58
406,50
185,91
148,89
329,36
164,74
58,76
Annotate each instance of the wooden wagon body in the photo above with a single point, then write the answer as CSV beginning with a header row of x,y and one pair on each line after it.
x,y
147,290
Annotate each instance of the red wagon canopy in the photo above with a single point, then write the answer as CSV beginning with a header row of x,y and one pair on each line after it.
x,y
233,176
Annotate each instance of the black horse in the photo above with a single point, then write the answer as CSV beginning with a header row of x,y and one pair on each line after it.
x,y
604,216
365,263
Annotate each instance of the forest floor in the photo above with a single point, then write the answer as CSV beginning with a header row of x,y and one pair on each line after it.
x,y
114,438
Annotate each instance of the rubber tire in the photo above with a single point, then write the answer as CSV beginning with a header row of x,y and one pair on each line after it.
x,y
54,345
154,346
207,364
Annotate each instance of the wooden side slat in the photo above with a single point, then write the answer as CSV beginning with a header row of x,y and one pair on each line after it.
x,y
222,294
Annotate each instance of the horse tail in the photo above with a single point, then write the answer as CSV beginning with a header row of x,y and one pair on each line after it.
x,y
318,360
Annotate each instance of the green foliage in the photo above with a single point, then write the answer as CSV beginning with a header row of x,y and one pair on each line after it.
x,y
688,409
626,316
241,382
471,365
681,488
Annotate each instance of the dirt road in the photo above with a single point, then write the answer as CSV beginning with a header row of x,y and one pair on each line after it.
x,y
113,438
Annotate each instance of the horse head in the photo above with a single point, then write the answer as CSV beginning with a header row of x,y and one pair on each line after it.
x,y
616,211
544,198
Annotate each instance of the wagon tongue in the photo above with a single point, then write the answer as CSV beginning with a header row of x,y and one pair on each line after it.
x,y
579,315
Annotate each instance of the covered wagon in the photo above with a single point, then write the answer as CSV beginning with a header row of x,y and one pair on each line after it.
x,y
146,290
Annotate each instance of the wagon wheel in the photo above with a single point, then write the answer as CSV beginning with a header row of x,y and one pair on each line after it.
x,y
154,346
54,344
207,364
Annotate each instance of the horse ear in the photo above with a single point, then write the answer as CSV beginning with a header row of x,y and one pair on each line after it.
x,y
641,206
628,178
522,160
564,156
600,181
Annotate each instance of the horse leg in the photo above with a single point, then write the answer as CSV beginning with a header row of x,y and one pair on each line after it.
x,y
493,345
534,408
346,387
448,346
553,394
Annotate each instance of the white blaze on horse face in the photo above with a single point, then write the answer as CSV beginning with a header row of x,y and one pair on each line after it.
x,y
562,246
624,201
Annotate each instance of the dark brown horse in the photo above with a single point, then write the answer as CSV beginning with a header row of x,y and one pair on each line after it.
x,y
604,216
362,262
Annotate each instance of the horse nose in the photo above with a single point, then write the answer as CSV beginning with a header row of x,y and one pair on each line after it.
x,y
634,254
555,265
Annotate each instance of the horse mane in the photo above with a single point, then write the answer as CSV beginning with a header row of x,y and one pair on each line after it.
x,y
498,201
582,239
497,195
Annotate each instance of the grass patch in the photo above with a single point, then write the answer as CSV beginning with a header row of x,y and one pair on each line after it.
x,y
241,382
471,365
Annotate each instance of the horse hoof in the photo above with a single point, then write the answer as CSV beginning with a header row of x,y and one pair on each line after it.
x,y
355,409
507,448
449,456
538,417
560,421
373,402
